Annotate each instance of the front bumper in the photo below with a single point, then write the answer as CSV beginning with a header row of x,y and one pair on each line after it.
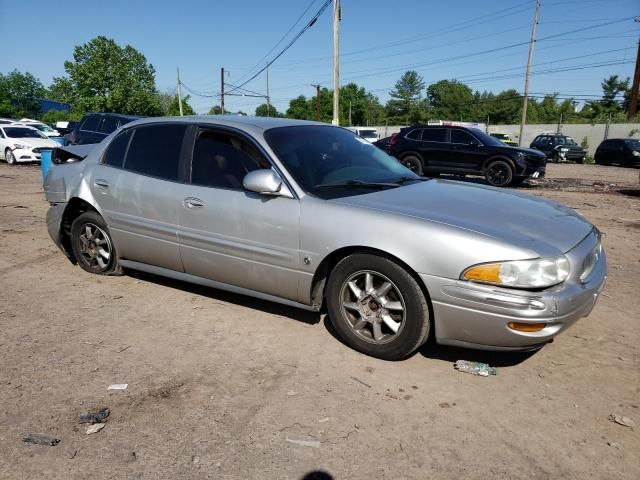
x,y
473,315
26,155
54,223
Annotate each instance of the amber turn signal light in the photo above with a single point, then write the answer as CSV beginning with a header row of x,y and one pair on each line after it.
x,y
526,327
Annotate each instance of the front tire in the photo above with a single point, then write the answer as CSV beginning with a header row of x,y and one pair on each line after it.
x,y
10,157
499,173
377,307
413,163
92,245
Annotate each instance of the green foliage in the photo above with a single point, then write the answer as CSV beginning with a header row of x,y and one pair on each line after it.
x,y
215,110
299,108
20,94
173,109
406,103
450,99
53,116
585,143
265,110
104,77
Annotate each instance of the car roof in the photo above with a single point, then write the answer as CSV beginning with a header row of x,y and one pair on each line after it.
x,y
259,123
119,115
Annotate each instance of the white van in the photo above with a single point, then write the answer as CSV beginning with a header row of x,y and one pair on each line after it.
x,y
370,134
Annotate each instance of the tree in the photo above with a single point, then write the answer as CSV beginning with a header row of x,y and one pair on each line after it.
x,y
104,77
174,107
265,110
299,108
406,97
20,94
215,110
450,100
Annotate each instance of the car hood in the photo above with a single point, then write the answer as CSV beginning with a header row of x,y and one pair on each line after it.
x,y
529,151
35,142
522,220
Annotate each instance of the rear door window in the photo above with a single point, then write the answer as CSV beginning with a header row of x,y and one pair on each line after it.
x,y
221,160
117,150
434,135
154,150
91,123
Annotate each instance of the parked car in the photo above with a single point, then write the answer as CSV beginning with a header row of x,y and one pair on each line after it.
x,y
95,127
619,151
22,144
43,127
384,144
559,147
370,134
433,150
308,214
504,138
65,127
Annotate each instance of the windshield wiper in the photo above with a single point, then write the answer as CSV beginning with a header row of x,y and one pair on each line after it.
x,y
358,184
406,178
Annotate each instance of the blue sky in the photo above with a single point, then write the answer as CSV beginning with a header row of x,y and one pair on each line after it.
x,y
379,41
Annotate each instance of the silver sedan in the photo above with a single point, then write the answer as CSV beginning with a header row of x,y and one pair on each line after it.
x,y
313,216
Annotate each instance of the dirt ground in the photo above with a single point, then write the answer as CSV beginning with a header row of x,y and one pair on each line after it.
x,y
219,382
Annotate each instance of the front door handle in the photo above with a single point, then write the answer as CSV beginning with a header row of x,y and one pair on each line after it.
x,y
192,202
101,183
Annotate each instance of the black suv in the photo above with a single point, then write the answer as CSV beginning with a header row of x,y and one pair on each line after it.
x,y
559,147
621,151
94,127
441,149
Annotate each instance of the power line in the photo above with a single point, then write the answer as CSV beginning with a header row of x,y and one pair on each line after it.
x,y
293,40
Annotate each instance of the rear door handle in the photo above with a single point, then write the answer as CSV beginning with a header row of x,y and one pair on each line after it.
x,y
101,183
192,202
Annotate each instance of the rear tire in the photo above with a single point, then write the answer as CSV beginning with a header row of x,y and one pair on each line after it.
x,y
377,307
92,245
413,163
499,173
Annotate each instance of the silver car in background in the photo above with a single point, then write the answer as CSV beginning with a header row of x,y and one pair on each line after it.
x,y
314,216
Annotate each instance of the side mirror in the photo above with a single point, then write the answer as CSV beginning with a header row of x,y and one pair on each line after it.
x,y
266,182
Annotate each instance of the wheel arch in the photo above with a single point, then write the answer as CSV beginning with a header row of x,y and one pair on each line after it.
x,y
76,206
328,263
500,157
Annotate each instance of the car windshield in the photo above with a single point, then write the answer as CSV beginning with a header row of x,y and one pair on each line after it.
x,y
486,139
22,132
633,144
324,156
565,141
42,127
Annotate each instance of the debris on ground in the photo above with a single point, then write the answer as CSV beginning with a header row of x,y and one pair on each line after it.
x,y
475,368
94,417
40,439
118,386
622,420
291,393
323,420
95,428
361,382
614,445
304,443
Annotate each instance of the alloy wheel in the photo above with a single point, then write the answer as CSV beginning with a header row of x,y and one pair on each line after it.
x,y
95,246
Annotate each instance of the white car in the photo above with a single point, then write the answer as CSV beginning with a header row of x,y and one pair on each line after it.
x,y
22,144
43,127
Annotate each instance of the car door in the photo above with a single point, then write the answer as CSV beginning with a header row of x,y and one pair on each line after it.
x,y
435,149
137,186
466,150
3,144
234,236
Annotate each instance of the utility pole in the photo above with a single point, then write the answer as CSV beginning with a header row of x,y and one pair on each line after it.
x,y
523,120
317,101
336,62
350,124
268,98
633,107
179,92
559,129
222,90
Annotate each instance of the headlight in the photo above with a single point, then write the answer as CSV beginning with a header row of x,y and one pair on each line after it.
x,y
564,149
21,146
540,273
635,153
